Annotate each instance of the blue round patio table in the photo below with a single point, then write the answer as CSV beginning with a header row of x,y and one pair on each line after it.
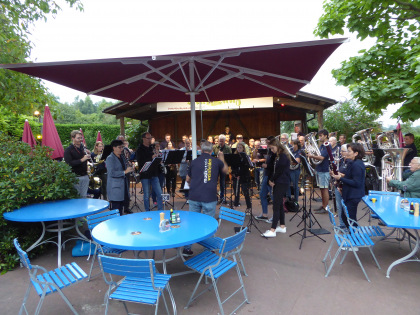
x,y
140,231
58,210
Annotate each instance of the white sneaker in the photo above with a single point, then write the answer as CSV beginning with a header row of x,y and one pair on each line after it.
x,y
269,233
280,229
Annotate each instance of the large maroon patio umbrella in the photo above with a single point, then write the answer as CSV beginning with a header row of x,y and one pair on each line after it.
x,y
28,136
50,136
249,72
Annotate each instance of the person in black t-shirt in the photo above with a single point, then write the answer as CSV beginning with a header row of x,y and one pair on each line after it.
x,y
76,156
409,143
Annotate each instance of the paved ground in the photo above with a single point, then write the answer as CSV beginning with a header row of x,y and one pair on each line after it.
x,y
282,280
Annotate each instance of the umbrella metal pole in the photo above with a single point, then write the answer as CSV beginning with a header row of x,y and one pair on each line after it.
x,y
192,101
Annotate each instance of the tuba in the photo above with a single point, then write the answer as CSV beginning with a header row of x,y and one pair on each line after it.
x,y
366,138
311,147
394,167
393,141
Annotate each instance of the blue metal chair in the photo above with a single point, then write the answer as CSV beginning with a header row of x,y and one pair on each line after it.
x,y
141,283
215,243
348,241
211,265
48,282
94,220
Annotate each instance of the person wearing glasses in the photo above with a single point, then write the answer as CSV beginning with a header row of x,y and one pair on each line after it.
x,y
145,153
411,184
117,181
240,138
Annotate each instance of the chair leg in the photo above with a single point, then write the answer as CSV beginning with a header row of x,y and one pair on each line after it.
x,y
361,266
91,265
333,261
41,300
242,264
168,288
195,290
374,258
217,293
23,307
164,301
242,283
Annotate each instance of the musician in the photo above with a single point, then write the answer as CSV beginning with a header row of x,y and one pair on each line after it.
x,y
251,144
353,180
182,144
298,129
266,189
334,147
183,167
322,171
295,173
210,139
228,133
411,185
164,144
171,173
216,141
302,143
280,182
145,153
117,181
229,141
128,153
120,137
409,143
284,139
241,177
240,138
161,172
76,156
343,163
341,139
225,149
100,169
202,178
258,159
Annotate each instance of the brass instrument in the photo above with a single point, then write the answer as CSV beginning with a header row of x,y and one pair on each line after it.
x,y
366,138
393,168
292,166
311,147
393,141
95,182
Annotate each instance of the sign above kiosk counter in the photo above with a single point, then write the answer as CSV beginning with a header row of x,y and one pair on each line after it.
x,y
263,102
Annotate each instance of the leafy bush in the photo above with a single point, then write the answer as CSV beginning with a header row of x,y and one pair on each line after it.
x,y
27,176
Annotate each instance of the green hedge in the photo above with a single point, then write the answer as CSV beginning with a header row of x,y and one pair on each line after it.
x,y
26,177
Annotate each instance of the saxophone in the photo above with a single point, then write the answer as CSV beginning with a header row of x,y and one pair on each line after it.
x,y
311,147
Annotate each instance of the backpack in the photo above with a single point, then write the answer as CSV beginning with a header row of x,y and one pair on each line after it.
x,y
292,205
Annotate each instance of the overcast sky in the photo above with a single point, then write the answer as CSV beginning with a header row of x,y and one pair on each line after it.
x,y
127,28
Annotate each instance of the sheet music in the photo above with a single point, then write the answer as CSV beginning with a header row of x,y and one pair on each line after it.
x,y
186,185
145,167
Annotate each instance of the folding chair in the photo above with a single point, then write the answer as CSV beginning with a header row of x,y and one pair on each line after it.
x,y
50,281
141,283
211,265
94,220
215,243
347,241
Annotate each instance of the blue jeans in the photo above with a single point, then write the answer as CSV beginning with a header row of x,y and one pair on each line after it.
x,y
161,177
154,181
265,189
338,199
294,178
257,176
208,208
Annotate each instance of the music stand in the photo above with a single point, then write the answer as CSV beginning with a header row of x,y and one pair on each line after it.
x,y
133,183
184,189
307,214
150,167
234,161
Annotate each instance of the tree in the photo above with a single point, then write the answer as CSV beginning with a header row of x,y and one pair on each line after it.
x,y
19,92
389,72
349,117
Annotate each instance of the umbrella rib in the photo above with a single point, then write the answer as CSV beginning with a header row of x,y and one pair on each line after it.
x,y
152,87
202,81
255,72
181,67
268,86
129,80
181,89
225,78
164,76
210,72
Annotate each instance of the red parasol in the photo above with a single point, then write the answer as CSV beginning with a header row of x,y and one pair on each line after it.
x,y
50,136
27,136
99,137
400,135
84,141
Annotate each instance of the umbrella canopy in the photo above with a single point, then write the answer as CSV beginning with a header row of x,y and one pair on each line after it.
x,y
27,136
99,137
50,136
84,141
249,72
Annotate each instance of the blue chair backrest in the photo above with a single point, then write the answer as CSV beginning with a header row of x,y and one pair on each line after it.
x,y
331,216
231,215
234,241
377,192
139,268
94,219
23,256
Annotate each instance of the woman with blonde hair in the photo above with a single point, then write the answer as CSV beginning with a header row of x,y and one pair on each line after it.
x,y
280,182
97,151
